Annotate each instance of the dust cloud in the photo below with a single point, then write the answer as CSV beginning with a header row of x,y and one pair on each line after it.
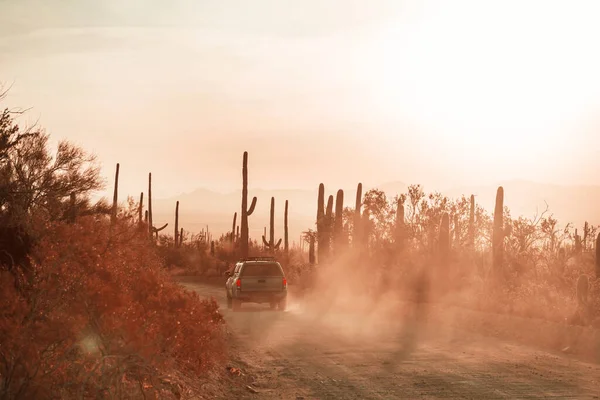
x,y
353,301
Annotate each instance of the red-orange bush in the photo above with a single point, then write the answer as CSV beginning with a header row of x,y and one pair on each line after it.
x,y
97,314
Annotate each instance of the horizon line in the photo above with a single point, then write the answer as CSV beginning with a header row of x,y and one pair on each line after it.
x,y
107,192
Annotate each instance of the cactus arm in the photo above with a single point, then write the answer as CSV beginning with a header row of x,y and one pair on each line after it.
x,y
265,242
161,228
278,244
252,205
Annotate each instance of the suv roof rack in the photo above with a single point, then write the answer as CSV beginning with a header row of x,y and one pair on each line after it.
x,y
257,259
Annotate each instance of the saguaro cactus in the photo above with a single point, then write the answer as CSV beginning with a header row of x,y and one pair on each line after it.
x,y
338,222
577,242
472,223
271,246
246,212
141,209
180,238
321,234
356,233
212,248
498,231
324,225
444,239
329,224
285,229
113,214
150,225
176,224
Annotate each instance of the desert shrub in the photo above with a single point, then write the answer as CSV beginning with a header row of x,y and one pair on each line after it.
x,y
190,259
99,316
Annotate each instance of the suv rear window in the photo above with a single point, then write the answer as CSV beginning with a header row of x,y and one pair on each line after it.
x,y
270,269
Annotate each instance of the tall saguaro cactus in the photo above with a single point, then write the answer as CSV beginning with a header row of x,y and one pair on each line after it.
x,y
177,224
356,233
270,245
498,231
324,225
246,212
472,223
150,225
141,210
113,214
286,247
338,223
329,224
321,230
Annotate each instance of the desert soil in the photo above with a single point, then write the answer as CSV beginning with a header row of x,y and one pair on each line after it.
x,y
310,352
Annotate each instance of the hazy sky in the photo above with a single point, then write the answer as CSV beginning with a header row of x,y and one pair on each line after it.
x,y
335,91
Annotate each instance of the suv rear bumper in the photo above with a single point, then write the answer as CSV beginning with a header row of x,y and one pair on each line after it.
x,y
260,297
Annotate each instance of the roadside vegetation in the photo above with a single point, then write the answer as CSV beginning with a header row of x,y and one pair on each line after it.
x,y
88,309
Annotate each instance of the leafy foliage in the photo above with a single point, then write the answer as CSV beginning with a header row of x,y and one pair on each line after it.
x,y
98,311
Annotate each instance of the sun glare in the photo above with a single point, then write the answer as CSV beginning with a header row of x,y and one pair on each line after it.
x,y
500,79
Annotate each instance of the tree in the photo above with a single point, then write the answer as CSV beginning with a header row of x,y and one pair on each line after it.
x,y
376,206
37,186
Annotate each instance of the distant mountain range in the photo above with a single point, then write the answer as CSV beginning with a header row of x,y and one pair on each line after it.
x,y
204,207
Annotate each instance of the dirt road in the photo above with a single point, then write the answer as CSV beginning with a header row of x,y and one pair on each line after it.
x,y
309,353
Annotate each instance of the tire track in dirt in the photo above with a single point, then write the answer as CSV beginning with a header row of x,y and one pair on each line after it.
x,y
293,356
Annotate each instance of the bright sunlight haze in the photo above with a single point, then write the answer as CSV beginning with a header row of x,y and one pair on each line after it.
x,y
436,92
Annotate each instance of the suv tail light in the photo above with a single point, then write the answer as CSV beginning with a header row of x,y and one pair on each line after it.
x,y
238,283
284,283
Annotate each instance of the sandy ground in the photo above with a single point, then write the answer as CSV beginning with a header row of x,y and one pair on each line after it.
x,y
310,352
